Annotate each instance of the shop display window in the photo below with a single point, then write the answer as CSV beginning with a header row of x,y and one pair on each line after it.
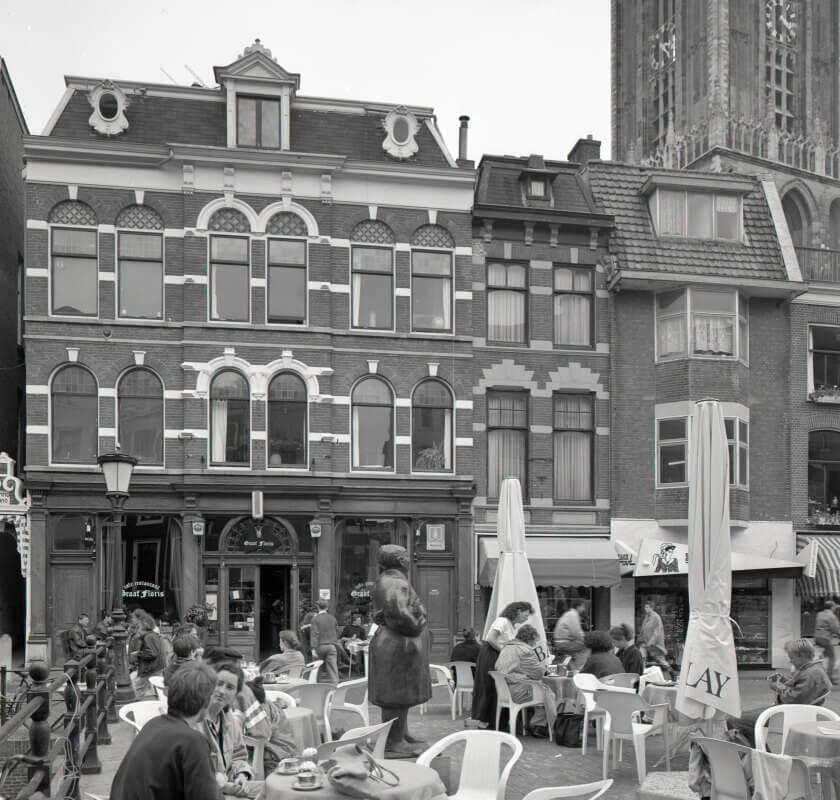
x,y
557,600
241,598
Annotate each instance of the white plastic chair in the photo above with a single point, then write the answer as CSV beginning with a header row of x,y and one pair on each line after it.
x,y
464,683
137,714
587,685
651,675
623,720
257,757
317,697
375,735
341,703
157,683
441,677
275,695
480,776
310,670
792,713
504,700
579,790
621,680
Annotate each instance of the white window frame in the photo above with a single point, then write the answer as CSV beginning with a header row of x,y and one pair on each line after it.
x,y
51,299
391,274
305,267
118,273
656,207
210,283
450,277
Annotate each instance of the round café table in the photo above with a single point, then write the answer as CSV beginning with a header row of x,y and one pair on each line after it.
x,y
416,783
304,727
815,740
284,684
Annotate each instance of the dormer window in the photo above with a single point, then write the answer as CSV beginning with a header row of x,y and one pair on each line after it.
x,y
696,214
536,188
109,104
258,122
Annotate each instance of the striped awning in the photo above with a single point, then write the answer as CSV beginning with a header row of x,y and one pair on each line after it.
x,y
821,574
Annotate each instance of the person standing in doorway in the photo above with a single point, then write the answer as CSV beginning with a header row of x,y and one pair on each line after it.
x,y
323,636
826,631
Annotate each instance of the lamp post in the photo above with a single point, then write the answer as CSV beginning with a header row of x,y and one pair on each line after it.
x,y
117,468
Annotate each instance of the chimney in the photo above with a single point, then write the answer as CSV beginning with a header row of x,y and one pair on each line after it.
x,y
463,161
587,149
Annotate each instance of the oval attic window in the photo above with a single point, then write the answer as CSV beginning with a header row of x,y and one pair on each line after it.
x,y
109,106
401,130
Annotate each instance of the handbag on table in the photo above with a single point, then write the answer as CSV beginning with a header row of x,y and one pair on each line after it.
x,y
353,771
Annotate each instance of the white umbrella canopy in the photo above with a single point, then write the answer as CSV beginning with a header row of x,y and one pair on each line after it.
x,y
708,681
514,579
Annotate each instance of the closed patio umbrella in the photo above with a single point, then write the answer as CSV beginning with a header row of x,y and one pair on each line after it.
x,y
708,681
514,579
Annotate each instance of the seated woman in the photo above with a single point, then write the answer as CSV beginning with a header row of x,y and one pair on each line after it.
x,y
808,684
276,729
523,671
602,661
628,653
290,654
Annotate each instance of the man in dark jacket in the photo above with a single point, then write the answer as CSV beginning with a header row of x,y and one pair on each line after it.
x,y
399,651
77,636
169,759
466,650
629,654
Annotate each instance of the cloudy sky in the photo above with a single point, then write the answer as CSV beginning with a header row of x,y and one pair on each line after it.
x,y
533,75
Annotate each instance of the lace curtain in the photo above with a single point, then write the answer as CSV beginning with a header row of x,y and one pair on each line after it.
x,y
572,465
505,458
505,316
218,427
713,335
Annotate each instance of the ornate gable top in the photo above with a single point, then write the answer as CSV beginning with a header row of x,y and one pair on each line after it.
x,y
256,63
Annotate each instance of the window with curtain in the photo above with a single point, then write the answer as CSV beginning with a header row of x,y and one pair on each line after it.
x,y
574,438
373,425
230,419
258,122
672,450
431,427
74,417
229,279
75,272
140,275
140,414
702,322
287,421
287,281
507,440
573,305
431,290
373,287
507,303
696,214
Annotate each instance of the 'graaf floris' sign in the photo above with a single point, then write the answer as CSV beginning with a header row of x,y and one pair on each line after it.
x,y
141,589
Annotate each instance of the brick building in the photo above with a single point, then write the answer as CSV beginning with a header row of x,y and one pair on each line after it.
x,y
12,568
266,298
542,374
701,293
752,87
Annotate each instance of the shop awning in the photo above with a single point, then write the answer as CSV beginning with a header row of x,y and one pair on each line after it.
x,y
821,555
657,557
557,560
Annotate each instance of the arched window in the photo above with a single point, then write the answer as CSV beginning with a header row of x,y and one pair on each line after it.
x,y
287,421
823,470
75,416
74,270
373,425
431,427
229,266
230,419
797,219
140,411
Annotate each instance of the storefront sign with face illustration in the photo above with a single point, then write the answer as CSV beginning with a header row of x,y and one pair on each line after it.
x,y
661,558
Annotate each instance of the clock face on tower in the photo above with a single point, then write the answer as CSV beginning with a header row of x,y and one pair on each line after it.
x,y
663,48
780,19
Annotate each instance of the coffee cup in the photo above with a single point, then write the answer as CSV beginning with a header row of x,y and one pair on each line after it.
x,y
288,764
307,778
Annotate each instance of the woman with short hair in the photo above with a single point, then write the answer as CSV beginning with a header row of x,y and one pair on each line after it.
x,y
290,654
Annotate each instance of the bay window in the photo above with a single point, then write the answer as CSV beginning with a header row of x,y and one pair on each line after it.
x,y
825,356
507,440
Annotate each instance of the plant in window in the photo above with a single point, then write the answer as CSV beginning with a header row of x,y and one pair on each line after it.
x,y
825,394
199,614
431,458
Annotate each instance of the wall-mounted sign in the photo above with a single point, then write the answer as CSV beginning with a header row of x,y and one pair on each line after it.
x,y
141,590
323,594
435,537
198,527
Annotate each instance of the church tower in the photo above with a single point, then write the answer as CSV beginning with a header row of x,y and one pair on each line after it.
x,y
736,74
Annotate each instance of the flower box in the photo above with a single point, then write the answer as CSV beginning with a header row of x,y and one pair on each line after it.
x,y
826,394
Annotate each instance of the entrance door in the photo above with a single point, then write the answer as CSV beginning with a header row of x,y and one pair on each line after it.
x,y
435,586
72,594
275,608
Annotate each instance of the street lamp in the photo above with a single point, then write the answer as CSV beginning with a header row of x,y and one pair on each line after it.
x,y
117,468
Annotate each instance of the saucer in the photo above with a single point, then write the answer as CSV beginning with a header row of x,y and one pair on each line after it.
x,y
283,771
307,787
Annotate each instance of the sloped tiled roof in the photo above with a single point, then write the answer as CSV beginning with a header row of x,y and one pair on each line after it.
x,y
160,120
617,188
499,184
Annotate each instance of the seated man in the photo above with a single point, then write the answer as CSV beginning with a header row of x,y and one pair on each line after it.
x,y
523,671
808,684
169,757
77,637
224,729
466,650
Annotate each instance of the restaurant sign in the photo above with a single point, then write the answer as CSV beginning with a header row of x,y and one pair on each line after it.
x,y
141,590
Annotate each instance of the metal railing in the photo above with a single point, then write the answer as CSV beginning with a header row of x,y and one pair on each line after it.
x,y
89,687
819,264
